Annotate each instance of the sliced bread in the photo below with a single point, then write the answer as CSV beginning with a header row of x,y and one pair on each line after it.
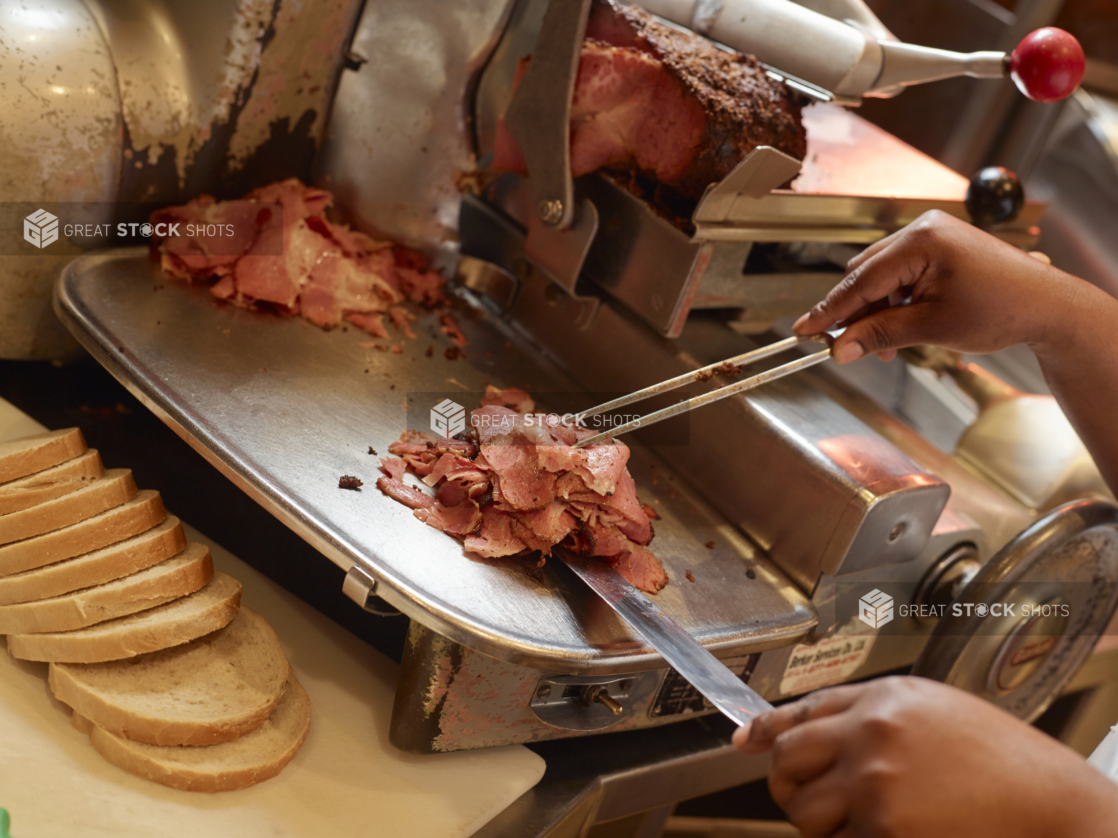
x,y
132,518
254,757
126,557
50,483
214,689
115,488
21,457
170,579
161,627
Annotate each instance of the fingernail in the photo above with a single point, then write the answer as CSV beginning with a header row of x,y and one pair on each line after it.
x,y
848,352
799,324
741,735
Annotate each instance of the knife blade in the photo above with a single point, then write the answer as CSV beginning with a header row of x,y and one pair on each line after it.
x,y
706,673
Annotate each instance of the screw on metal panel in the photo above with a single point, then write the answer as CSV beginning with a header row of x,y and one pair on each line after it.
x,y
551,212
544,691
897,531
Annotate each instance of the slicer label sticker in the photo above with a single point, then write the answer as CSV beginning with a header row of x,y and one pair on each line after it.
x,y
826,663
676,696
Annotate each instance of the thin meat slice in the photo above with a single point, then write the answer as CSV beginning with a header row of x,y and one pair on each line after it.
x,y
461,520
407,495
495,537
641,568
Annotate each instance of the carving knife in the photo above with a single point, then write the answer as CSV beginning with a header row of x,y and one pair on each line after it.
x,y
706,673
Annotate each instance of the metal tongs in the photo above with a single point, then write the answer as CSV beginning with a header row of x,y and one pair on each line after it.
x,y
688,405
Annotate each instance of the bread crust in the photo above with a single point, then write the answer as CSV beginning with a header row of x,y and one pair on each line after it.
x,y
29,454
200,613
251,759
214,689
132,518
51,483
115,488
171,579
123,558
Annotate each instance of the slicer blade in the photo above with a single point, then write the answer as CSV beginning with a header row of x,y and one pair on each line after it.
x,y
706,673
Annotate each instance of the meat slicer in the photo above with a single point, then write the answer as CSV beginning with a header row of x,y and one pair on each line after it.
x,y
795,508
624,297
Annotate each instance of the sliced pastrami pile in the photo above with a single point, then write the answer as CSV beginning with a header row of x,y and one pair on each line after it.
x,y
283,253
519,487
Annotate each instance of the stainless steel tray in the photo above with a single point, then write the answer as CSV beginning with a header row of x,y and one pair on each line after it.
x,y
283,409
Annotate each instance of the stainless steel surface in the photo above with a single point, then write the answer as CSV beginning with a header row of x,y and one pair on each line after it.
x,y
709,398
398,138
746,358
706,673
1025,447
222,96
283,409
60,140
643,260
763,170
1069,557
1077,173
539,115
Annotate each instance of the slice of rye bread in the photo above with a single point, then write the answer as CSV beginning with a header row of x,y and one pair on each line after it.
x,y
132,518
29,454
213,689
126,557
115,488
170,579
255,757
50,483
161,627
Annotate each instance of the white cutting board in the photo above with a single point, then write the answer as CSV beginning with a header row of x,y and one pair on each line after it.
x,y
346,781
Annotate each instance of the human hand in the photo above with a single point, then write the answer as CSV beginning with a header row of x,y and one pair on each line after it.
x,y
910,757
965,290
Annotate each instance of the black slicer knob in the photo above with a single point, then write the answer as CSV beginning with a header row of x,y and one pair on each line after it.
x,y
994,196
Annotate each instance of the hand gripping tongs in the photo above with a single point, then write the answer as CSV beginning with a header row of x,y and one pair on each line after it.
x,y
703,374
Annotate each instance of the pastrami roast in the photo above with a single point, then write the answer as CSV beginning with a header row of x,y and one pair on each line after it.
x,y
668,104
523,489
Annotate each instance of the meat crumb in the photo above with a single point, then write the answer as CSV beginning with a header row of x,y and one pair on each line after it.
x,y
452,353
348,481
750,573
710,545
725,368
690,576
652,514
430,353
372,451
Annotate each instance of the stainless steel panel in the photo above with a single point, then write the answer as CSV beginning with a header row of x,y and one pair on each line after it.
x,y
398,137
283,409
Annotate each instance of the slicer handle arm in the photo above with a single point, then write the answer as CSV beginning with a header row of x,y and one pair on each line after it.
x,y
851,62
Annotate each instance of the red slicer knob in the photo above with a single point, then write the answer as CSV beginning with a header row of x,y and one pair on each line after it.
x,y
1047,65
